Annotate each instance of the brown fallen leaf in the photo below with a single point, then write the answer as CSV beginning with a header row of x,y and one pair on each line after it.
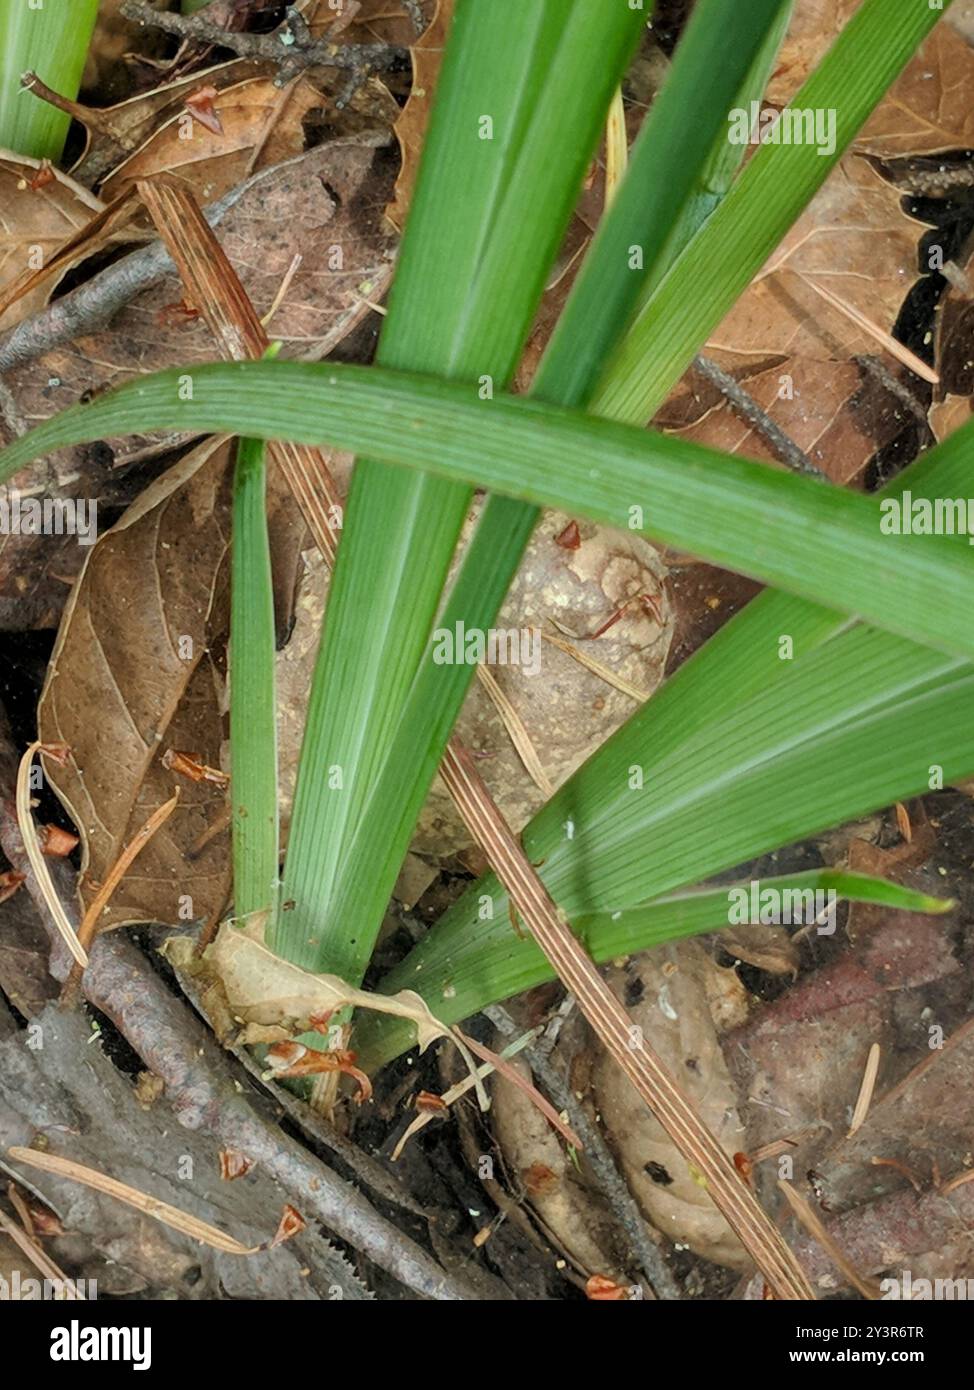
x,y
234,1164
135,669
426,53
221,136
674,1011
762,945
801,1060
276,999
346,253
264,989
35,224
571,1214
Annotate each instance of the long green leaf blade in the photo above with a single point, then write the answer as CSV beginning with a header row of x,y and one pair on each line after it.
x,y
818,542
670,158
779,181
503,965
253,723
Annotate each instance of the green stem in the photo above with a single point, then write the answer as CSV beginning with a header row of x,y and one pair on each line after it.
x,y
253,728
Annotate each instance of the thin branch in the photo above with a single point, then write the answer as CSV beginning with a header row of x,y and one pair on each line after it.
x,y
203,1094
746,407
292,46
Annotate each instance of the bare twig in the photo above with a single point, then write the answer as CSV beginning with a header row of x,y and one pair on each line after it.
x,y
177,1047
744,405
877,368
613,1025
94,302
292,46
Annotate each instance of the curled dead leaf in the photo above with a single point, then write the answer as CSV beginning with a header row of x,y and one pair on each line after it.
x,y
234,1164
599,1288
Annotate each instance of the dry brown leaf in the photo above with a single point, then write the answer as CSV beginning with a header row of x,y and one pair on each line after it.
x,y
259,124
265,990
35,223
762,945
133,673
427,55
670,1196
573,1216
286,212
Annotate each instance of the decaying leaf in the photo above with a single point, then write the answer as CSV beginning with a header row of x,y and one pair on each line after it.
x,y
346,254
674,1011
132,673
541,1169
265,989
276,999
427,54
36,221
218,137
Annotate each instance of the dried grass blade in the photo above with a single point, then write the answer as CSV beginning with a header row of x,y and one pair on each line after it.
x,y
160,1211
213,285
37,861
609,1019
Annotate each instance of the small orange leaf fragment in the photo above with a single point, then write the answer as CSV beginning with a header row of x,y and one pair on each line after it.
x,y
601,1289
292,1223
200,106
55,842
570,538
188,765
234,1164
10,881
